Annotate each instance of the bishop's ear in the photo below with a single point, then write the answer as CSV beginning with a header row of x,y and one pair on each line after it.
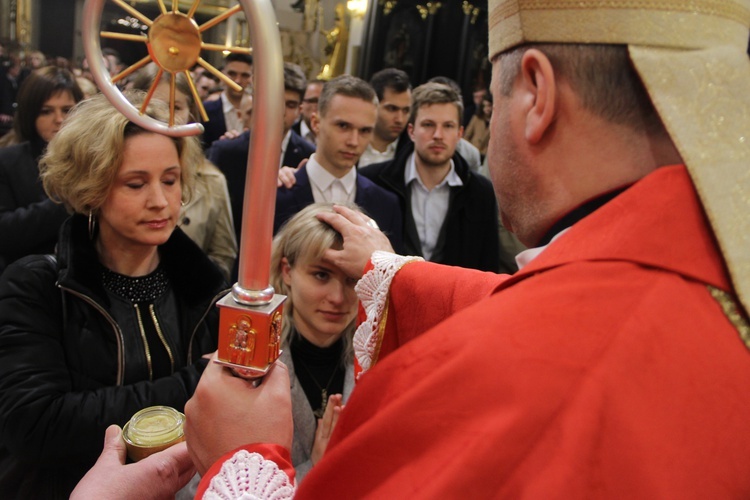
x,y
540,90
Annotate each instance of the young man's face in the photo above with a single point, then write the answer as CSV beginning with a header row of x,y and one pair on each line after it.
x,y
240,73
343,132
436,132
393,114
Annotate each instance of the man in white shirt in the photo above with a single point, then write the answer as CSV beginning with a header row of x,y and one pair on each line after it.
x,y
344,124
394,102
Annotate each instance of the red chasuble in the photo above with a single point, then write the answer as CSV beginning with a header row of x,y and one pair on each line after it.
x,y
608,367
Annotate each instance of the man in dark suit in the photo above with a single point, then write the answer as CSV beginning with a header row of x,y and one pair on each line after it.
x,y
308,107
347,111
224,113
450,213
230,155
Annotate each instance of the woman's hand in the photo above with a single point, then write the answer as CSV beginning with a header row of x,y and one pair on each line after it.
x,y
326,425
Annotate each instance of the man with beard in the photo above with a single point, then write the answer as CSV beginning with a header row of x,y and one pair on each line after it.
x,y
450,213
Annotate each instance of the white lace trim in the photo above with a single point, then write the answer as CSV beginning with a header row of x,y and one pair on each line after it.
x,y
249,476
373,290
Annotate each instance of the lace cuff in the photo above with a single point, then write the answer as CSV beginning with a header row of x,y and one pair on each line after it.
x,y
249,476
373,290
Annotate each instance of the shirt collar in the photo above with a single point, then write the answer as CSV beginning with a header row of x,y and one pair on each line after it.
x,y
226,106
304,130
410,174
323,179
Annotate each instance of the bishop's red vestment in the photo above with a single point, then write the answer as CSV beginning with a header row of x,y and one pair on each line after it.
x,y
613,365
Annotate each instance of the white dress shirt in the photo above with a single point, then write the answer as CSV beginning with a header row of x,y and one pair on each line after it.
x,y
326,187
429,206
231,114
372,155
305,132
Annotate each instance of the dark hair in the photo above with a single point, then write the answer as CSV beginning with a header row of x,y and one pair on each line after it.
x,y
37,89
294,79
390,78
239,57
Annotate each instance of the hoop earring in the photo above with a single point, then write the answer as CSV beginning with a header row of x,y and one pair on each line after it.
x,y
92,225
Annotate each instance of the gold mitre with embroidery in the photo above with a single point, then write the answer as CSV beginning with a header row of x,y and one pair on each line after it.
x,y
692,58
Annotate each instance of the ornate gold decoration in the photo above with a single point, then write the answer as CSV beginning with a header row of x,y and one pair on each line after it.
x,y
174,43
428,10
274,339
470,10
388,6
337,41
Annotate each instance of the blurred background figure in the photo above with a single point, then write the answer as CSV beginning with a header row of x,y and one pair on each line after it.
x,y
207,216
35,59
88,87
478,130
12,74
207,84
224,113
44,100
307,108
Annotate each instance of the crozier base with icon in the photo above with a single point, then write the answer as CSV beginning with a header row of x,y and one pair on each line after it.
x,y
249,336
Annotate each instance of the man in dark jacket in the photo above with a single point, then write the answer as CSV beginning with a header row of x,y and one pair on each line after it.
x,y
449,214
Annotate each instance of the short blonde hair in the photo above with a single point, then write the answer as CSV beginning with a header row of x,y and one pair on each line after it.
x,y
82,160
305,238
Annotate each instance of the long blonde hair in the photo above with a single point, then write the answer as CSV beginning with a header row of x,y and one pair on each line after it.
x,y
303,238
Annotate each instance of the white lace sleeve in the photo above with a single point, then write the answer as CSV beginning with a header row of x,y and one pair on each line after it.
x,y
249,476
373,290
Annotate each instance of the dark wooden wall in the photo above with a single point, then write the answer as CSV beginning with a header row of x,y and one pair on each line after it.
x,y
427,40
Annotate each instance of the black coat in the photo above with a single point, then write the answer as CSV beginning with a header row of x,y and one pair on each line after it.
x,y
469,235
216,125
68,369
29,221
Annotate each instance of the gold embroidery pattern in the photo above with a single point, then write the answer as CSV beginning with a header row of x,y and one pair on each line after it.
x,y
733,313
723,8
